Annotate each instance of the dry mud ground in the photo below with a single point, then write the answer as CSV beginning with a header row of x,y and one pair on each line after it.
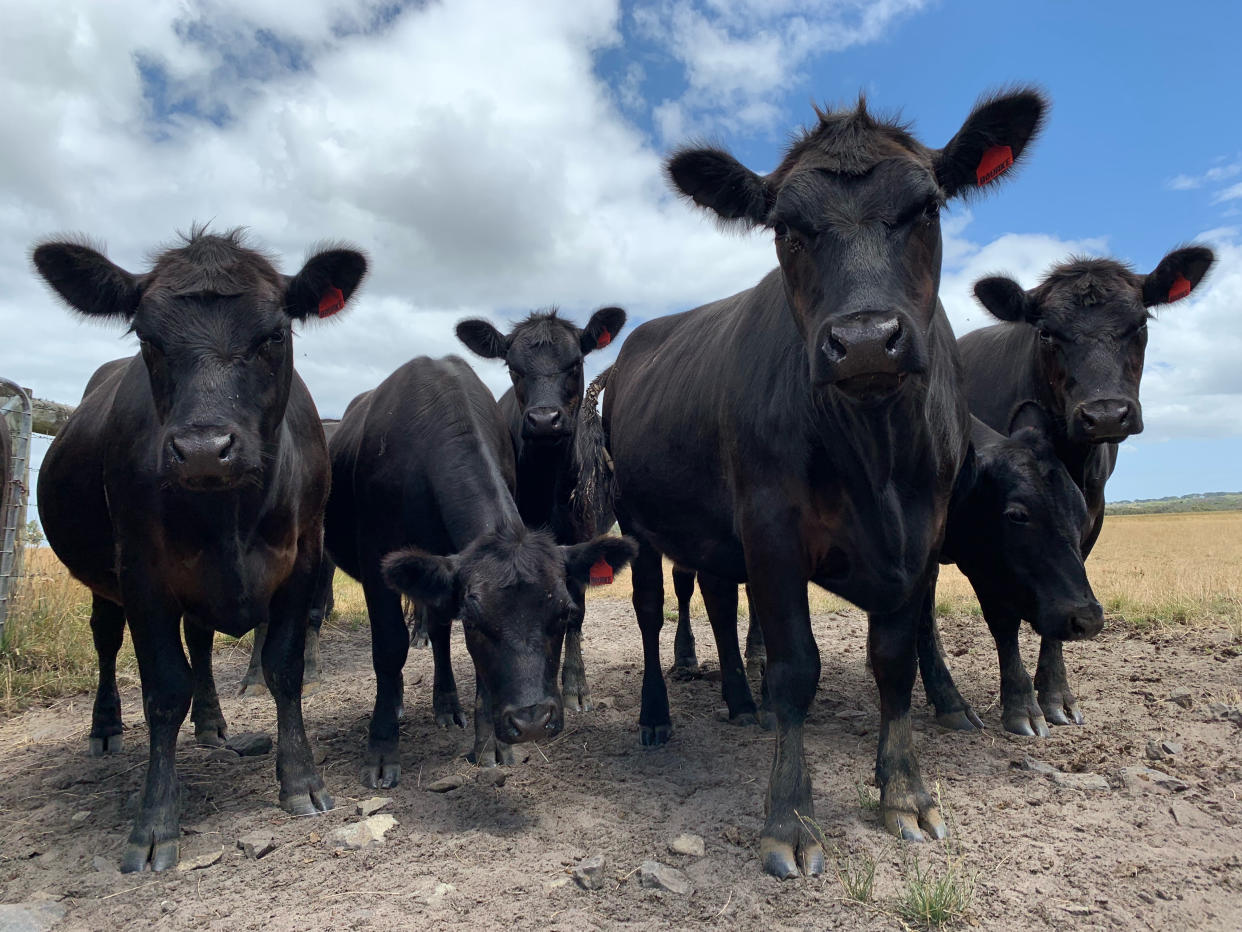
x,y
1047,855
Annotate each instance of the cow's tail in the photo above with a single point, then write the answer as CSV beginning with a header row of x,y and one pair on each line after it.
x,y
594,491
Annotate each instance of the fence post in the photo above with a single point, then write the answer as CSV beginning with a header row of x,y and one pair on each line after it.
x,y
13,498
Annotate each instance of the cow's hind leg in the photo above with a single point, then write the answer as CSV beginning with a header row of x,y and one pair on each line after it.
x,y
108,630
685,662
444,701
1059,703
647,575
210,729
720,599
416,623
390,645
252,683
322,605
756,653
575,692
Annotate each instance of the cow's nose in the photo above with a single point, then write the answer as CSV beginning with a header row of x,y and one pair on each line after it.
x,y
1107,418
1087,621
203,455
867,353
529,723
543,422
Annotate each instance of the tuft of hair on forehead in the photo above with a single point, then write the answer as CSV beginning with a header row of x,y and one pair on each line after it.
x,y
1088,280
514,555
215,263
542,328
850,140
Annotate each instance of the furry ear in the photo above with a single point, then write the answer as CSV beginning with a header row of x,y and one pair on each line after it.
x,y
602,328
616,552
714,179
1030,415
1177,275
482,338
327,281
991,140
87,281
424,577
1004,299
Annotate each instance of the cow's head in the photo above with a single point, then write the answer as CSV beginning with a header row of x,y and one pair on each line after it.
x,y
544,354
855,210
214,319
1032,518
508,588
1091,315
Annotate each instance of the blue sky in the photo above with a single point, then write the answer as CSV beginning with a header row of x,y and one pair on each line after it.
x,y
495,158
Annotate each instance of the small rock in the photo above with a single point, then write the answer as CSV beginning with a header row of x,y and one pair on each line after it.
x,y
368,807
80,816
492,776
659,876
556,884
1172,748
1182,697
203,860
1081,781
30,917
223,756
589,872
257,844
167,906
1226,712
447,784
1036,766
689,845
1139,779
250,744
365,833
103,865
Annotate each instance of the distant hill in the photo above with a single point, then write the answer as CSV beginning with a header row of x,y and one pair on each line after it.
x,y
1204,501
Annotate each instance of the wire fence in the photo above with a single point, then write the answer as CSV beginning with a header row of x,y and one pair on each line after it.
x,y
15,421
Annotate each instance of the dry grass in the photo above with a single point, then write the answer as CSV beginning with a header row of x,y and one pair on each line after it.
x,y
1149,570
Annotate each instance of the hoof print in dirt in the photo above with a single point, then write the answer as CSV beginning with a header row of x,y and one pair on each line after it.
x,y
250,744
657,876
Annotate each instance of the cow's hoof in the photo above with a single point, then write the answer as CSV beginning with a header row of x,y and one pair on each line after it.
x,y
578,700
419,639
744,718
685,668
315,799
654,735
756,664
493,754
381,771
1028,722
960,720
448,710
146,850
1061,709
108,744
211,735
252,688
767,720
909,825
781,859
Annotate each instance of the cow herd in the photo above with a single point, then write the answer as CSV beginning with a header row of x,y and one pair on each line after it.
x,y
823,426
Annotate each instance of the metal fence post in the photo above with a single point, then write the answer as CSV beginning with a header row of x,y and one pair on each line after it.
x,y
14,510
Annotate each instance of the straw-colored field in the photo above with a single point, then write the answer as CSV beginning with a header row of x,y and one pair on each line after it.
x,y
1146,570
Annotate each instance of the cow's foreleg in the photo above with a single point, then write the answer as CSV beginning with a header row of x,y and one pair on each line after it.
x,y
322,605
1059,703
685,661
108,630
390,645
952,711
210,729
574,690
720,599
647,578
444,701
252,683
488,750
756,654
1020,712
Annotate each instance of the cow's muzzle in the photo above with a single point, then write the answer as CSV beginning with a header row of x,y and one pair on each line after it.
x,y
203,459
868,354
1107,420
532,723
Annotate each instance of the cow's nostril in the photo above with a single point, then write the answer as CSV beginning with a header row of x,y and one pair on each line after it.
x,y
177,452
836,349
226,450
890,345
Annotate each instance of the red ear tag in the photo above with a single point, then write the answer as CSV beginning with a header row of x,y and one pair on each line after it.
x,y
994,163
331,302
1179,289
604,339
601,573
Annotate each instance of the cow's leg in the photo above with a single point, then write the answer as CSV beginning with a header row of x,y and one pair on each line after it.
x,y
908,809
302,790
775,568
488,750
252,683
952,711
108,630
1020,713
416,623
685,662
210,729
574,690
756,655
390,644
647,578
167,687
322,604
1060,705
720,599
444,701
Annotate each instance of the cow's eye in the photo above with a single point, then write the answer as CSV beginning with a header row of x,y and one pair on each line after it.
x,y
781,230
1046,338
931,212
1017,514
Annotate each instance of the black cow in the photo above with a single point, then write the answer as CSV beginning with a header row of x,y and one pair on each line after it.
x,y
423,501
810,428
544,354
685,659
1074,344
190,483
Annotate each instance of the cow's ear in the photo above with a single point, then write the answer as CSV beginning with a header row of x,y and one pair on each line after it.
x,y
1030,416
607,552
1004,299
714,179
602,328
87,281
1177,275
327,281
426,578
482,338
991,140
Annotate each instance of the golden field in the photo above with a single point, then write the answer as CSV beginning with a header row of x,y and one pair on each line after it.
x,y
1147,570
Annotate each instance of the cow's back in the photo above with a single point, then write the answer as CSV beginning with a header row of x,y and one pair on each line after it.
x,y
998,371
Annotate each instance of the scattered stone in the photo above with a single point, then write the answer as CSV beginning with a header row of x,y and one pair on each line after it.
x,y
1172,748
689,845
167,906
223,756
1036,766
492,776
80,816
589,873
203,860
363,834
30,917
1140,779
368,807
104,866
1182,697
257,844
447,784
1226,712
659,876
250,744
1081,781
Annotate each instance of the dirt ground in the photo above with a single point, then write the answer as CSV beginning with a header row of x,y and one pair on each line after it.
x,y
1046,852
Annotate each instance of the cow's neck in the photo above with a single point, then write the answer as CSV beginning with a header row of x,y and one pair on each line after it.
x,y
544,481
475,501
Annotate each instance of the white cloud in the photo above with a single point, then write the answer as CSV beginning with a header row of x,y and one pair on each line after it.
x,y
1214,175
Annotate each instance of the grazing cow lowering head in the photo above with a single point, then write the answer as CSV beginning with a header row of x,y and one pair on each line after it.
x,y
213,318
509,590
544,354
855,210
1091,315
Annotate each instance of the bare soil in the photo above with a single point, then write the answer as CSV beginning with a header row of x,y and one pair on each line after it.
x,y
1045,854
